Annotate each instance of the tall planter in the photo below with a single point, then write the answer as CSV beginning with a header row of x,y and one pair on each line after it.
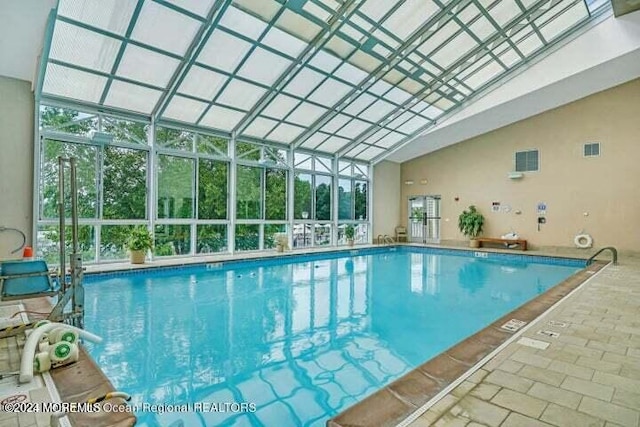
x,y
470,223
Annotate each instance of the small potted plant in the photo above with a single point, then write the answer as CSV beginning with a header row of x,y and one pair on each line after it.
x,y
139,243
349,233
470,223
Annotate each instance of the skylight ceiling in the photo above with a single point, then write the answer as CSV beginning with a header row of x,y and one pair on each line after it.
x,y
352,77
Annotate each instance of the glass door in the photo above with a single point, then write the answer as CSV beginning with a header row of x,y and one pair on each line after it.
x,y
424,219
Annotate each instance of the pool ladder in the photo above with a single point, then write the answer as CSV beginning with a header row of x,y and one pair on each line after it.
x,y
614,254
384,238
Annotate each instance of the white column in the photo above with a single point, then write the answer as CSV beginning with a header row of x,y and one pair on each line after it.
x,y
231,232
152,179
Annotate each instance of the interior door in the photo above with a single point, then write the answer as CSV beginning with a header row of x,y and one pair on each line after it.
x,y
424,219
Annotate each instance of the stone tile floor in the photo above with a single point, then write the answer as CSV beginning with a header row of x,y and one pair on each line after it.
x,y
588,376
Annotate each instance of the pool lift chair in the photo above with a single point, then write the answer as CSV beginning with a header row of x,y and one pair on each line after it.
x,y
31,279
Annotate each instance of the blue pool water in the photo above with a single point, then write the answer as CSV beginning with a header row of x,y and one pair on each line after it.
x,y
301,339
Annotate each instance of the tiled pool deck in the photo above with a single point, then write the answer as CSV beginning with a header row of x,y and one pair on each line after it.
x,y
588,376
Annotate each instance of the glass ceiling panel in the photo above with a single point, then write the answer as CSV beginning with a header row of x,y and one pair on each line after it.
x,y
241,95
482,28
280,106
454,49
377,111
350,73
340,47
330,92
529,44
408,17
285,133
164,28
447,62
370,153
110,15
184,109
359,104
132,97
260,127
297,25
199,7
266,9
325,61
572,16
283,42
336,123
439,37
353,33
509,56
305,114
317,11
389,140
74,84
85,48
202,83
484,75
315,140
354,128
398,95
147,66
413,125
333,144
221,118
376,9
504,11
380,87
365,61
304,82
224,51
263,66
242,23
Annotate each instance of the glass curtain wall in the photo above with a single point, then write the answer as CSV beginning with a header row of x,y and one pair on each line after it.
x,y
185,198
261,195
192,188
112,176
353,189
313,200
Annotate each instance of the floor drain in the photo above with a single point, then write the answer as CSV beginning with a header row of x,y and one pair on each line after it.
x,y
513,325
550,334
540,345
558,324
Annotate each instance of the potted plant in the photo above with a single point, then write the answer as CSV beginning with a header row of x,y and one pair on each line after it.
x,y
470,223
139,243
349,233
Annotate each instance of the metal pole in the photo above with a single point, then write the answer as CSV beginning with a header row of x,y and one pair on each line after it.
x,y
61,214
74,206
75,260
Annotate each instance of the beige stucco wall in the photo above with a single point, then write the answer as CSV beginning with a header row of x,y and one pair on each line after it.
x,y
386,198
16,162
600,195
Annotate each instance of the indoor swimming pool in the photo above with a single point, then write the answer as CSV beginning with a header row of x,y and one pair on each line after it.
x,y
296,339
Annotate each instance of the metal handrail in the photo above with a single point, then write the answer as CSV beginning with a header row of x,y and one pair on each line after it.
x,y
379,239
614,253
